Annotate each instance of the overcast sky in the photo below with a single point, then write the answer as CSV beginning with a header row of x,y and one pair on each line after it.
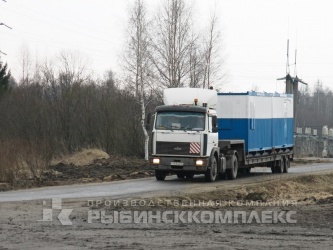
x,y
254,32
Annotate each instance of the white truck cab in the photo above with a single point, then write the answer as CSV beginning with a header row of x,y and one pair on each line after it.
x,y
185,134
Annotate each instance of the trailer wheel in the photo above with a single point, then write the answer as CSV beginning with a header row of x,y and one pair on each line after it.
x,y
211,173
232,172
160,175
286,165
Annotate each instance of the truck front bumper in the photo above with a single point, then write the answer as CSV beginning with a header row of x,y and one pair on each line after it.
x,y
179,164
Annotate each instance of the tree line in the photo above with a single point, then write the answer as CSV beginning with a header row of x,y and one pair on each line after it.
x,y
315,107
60,112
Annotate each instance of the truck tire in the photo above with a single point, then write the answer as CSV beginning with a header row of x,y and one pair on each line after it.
x,y
232,172
286,165
160,175
211,173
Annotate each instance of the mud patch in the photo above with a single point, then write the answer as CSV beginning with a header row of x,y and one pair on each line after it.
x,y
113,168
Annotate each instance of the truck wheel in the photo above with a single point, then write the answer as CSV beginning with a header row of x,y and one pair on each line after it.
x,y
211,173
286,165
232,172
160,175
181,175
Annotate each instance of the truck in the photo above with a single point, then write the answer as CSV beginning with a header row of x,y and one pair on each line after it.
x,y
202,131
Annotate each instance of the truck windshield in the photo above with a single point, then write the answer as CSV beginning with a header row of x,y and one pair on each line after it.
x,y
174,120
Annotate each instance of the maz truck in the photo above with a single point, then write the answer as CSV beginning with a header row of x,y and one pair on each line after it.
x,y
201,131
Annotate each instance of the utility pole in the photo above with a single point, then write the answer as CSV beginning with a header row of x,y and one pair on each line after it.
x,y
292,86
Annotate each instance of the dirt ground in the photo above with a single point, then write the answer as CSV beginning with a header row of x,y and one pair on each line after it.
x,y
308,197
86,166
94,165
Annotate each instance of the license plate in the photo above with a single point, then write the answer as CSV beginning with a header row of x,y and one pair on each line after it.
x,y
177,163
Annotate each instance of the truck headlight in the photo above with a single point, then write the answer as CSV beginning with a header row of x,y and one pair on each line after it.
x,y
199,162
156,161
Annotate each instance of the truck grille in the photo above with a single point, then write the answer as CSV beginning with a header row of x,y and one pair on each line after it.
x,y
176,148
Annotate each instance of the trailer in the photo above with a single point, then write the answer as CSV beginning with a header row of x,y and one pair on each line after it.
x,y
200,131
263,121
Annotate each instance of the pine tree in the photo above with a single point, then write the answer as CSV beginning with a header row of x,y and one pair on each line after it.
x,y
4,77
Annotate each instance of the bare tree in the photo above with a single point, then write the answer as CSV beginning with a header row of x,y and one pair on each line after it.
x,y
212,54
26,65
172,41
74,66
196,64
137,61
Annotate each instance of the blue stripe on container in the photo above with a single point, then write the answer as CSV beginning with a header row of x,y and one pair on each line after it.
x,y
259,134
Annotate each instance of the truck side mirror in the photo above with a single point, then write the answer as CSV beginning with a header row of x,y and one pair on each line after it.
x,y
215,129
147,125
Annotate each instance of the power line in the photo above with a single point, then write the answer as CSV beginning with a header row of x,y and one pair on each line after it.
x,y
6,25
59,25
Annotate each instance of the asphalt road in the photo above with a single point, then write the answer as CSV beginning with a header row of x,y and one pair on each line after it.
x,y
148,187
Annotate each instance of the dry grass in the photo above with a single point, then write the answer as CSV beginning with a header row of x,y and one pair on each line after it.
x,y
310,160
8,162
307,189
82,158
23,160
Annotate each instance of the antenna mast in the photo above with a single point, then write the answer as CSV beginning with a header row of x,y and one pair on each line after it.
x,y
295,69
287,66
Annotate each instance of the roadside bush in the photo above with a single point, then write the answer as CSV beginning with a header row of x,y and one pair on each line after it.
x,y
9,168
22,160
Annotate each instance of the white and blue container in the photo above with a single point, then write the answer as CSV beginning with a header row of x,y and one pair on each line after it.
x,y
263,120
